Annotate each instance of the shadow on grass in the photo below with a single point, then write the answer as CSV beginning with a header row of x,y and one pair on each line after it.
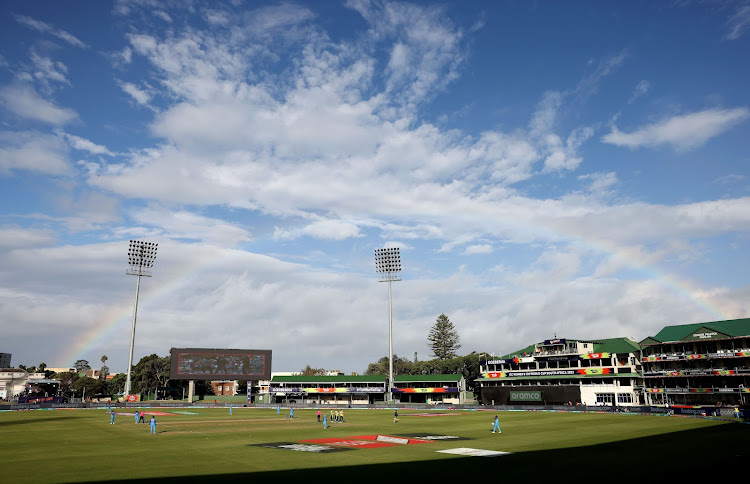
x,y
34,421
723,449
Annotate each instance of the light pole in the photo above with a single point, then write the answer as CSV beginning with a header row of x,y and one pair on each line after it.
x,y
388,264
141,256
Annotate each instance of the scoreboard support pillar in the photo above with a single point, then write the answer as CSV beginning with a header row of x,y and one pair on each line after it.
x,y
191,390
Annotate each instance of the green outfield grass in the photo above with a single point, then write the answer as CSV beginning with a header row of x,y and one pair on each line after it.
x,y
208,444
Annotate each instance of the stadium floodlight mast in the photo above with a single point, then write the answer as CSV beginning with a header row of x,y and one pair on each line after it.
x,y
388,265
141,256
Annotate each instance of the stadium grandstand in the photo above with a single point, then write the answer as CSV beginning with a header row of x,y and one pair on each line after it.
x,y
698,364
564,372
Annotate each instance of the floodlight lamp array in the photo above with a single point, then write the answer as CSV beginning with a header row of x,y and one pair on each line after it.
x,y
387,261
141,256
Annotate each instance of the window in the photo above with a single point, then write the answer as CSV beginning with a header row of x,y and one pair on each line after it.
x,y
605,398
624,398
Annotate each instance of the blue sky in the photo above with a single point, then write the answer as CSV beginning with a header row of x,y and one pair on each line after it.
x,y
569,168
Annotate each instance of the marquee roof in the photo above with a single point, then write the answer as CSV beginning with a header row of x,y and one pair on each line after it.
x,y
731,328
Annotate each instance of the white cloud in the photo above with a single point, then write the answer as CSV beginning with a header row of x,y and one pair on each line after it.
x,y
48,70
16,237
33,151
83,144
589,84
600,182
44,27
427,54
478,249
641,89
140,96
23,100
322,229
162,15
738,23
190,226
683,132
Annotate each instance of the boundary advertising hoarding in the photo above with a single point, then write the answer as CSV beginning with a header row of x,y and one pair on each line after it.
x,y
220,364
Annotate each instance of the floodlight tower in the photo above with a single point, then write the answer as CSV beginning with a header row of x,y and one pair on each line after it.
x,y
388,264
141,256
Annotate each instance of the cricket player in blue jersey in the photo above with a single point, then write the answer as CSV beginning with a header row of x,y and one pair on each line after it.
x,y
496,426
153,425
136,416
325,422
112,418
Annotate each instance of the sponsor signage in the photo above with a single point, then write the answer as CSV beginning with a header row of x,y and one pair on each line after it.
x,y
301,447
474,452
494,374
528,396
706,335
367,441
30,399
697,372
698,356
560,358
548,342
563,372
299,390
664,358
695,390
433,437
595,356
426,390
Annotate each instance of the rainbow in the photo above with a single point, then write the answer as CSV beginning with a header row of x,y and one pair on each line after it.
x,y
100,335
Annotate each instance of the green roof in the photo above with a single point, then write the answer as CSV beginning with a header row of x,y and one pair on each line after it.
x,y
609,345
529,351
616,345
732,328
427,378
329,379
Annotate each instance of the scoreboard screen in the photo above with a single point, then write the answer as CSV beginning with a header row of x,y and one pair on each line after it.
x,y
220,364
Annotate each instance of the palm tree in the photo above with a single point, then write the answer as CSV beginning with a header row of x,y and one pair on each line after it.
x,y
104,370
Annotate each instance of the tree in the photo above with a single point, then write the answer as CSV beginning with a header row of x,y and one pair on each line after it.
x,y
116,384
151,372
81,365
310,371
67,380
92,386
401,366
105,369
443,338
